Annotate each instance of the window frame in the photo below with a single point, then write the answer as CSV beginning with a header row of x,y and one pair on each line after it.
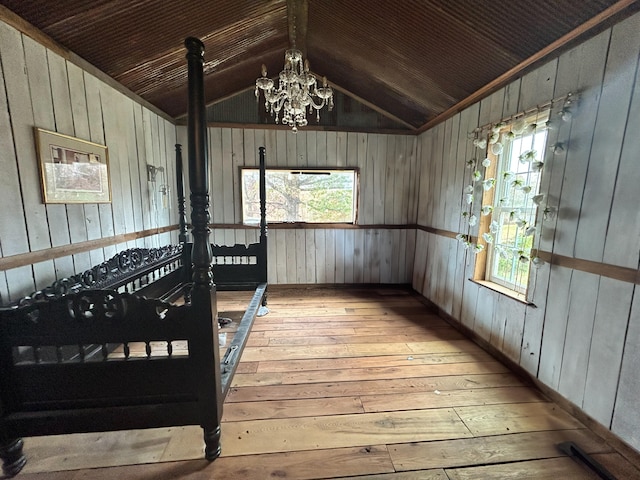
x,y
330,169
484,272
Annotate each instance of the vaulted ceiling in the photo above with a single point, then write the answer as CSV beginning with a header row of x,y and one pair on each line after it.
x,y
409,59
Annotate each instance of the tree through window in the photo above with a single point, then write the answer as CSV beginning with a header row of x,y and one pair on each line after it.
x,y
301,195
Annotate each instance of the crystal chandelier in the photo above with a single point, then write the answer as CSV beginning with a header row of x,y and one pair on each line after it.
x,y
297,92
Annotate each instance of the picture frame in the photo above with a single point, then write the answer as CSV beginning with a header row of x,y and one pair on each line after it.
x,y
72,170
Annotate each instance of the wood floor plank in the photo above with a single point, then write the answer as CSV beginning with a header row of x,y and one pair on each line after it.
x,y
375,323
548,469
424,336
491,450
438,474
305,465
513,418
84,450
390,387
234,412
370,373
335,431
455,398
369,362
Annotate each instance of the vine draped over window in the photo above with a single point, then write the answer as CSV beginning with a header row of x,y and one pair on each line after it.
x,y
503,201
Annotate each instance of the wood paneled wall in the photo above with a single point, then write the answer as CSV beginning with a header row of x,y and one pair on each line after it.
x,y
388,190
40,88
581,337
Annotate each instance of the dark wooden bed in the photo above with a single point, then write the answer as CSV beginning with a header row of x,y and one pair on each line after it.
x,y
58,369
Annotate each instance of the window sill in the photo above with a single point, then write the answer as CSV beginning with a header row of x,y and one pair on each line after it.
x,y
504,291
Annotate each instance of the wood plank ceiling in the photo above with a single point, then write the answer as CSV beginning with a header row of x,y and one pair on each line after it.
x,y
412,59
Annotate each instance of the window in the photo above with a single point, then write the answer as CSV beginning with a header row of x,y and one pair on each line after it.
x,y
301,195
509,229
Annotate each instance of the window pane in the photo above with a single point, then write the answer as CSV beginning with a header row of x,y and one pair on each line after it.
x,y
315,196
518,180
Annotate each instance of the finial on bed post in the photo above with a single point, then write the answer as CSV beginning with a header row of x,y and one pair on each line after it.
x,y
182,216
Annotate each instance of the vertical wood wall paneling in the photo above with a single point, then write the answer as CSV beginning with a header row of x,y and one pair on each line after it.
x,y
422,186
96,134
13,230
82,128
341,150
452,215
329,255
590,73
170,142
626,421
404,158
141,166
414,179
379,164
340,254
466,150
349,254
300,246
111,108
624,250
80,113
228,208
320,253
216,176
575,352
237,159
619,80
589,66
367,169
390,182
612,316
22,121
310,256
58,91
553,180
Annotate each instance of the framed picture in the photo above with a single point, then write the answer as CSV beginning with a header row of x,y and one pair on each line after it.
x,y
72,170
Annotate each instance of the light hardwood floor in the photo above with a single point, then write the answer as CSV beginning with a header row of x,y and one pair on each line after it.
x,y
361,383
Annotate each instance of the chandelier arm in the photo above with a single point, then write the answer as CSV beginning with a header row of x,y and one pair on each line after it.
x,y
315,105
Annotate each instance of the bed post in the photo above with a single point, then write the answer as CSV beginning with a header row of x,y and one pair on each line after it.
x,y
263,221
182,216
203,296
182,222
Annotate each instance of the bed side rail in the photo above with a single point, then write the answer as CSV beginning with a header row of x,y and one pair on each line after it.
x,y
229,362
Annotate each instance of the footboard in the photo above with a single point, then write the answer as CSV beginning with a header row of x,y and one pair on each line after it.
x,y
147,374
238,267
